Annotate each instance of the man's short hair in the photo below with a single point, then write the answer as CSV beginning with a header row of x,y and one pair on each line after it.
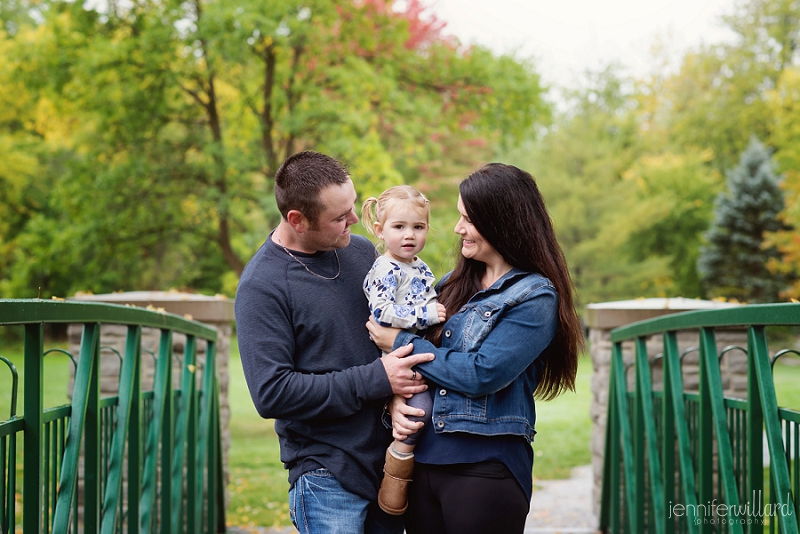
x,y
300,179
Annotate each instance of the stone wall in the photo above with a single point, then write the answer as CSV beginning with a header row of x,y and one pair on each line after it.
x,y
602,318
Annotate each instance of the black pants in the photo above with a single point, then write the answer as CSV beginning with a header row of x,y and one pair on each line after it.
x,y
445,502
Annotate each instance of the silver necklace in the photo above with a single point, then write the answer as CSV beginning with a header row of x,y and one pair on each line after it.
x,y
338,262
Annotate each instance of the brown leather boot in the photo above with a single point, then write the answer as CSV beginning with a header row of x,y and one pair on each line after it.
x,y
393,495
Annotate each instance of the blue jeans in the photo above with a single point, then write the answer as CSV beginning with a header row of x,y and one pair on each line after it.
x,y
318,504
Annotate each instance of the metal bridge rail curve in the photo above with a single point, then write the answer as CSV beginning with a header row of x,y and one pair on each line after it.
x,y
151,459
678,461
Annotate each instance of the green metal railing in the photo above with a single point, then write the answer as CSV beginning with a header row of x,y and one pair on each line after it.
x,y
151,460
678,461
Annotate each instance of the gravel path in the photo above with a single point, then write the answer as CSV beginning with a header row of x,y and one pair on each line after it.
x,y
557,507
563,506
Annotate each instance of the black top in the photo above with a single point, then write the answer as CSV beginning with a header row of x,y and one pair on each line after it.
x,y
309,362
476,455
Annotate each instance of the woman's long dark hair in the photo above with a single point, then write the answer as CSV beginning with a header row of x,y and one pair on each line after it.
x,y
505,206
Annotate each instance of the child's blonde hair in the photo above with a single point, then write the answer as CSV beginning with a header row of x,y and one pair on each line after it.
x,y
375,209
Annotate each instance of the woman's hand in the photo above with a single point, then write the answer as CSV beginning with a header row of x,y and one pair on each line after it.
x,y
383,336
402,426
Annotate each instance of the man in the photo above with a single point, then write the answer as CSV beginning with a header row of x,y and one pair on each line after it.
x,y
307,357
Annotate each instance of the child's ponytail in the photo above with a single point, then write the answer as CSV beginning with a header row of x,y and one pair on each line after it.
x,y
368,216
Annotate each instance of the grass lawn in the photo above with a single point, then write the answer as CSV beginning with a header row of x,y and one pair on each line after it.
x,y
258,483
786,375
56,377
564,429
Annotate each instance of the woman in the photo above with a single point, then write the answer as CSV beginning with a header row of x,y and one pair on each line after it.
x,y
511,330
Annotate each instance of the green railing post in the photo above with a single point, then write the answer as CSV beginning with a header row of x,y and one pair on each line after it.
x,y
181,428
708,351
92,451
167,441
212,476
639,441
125,399
218,508
614,454
678,429
8,489
705,437
134,435
205,444
80,400
755,426
779,470
618,376
162,398
32,442
191,461
645,400
8,458
668,436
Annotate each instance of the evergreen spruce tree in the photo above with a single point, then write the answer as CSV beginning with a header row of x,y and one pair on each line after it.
x,y
733,264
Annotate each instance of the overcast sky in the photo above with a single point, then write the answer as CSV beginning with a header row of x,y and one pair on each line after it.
x,y
566,37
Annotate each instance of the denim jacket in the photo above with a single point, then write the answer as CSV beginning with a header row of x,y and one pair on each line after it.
x,y
485,373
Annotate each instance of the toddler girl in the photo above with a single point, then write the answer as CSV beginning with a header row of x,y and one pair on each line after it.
x,y
400,291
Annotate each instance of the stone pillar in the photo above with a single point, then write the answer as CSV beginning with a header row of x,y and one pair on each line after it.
x,y
603,317
216,312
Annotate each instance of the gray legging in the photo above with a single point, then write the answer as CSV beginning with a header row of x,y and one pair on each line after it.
x,y
424,402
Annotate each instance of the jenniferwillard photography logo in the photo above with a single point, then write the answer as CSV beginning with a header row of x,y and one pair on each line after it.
x,y
751,512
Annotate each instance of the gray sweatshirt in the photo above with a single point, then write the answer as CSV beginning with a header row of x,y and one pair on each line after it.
x,y
309,362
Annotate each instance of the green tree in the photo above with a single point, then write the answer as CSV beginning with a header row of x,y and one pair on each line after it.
x,y
181,112
713,103
785,111
719,96
29,156
666,214
769,31
579,164
734,262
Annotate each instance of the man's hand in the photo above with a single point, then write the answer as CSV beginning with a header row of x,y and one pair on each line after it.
x,y
402,427
405,381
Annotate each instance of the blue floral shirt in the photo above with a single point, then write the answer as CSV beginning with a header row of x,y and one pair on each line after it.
x,y
401,294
